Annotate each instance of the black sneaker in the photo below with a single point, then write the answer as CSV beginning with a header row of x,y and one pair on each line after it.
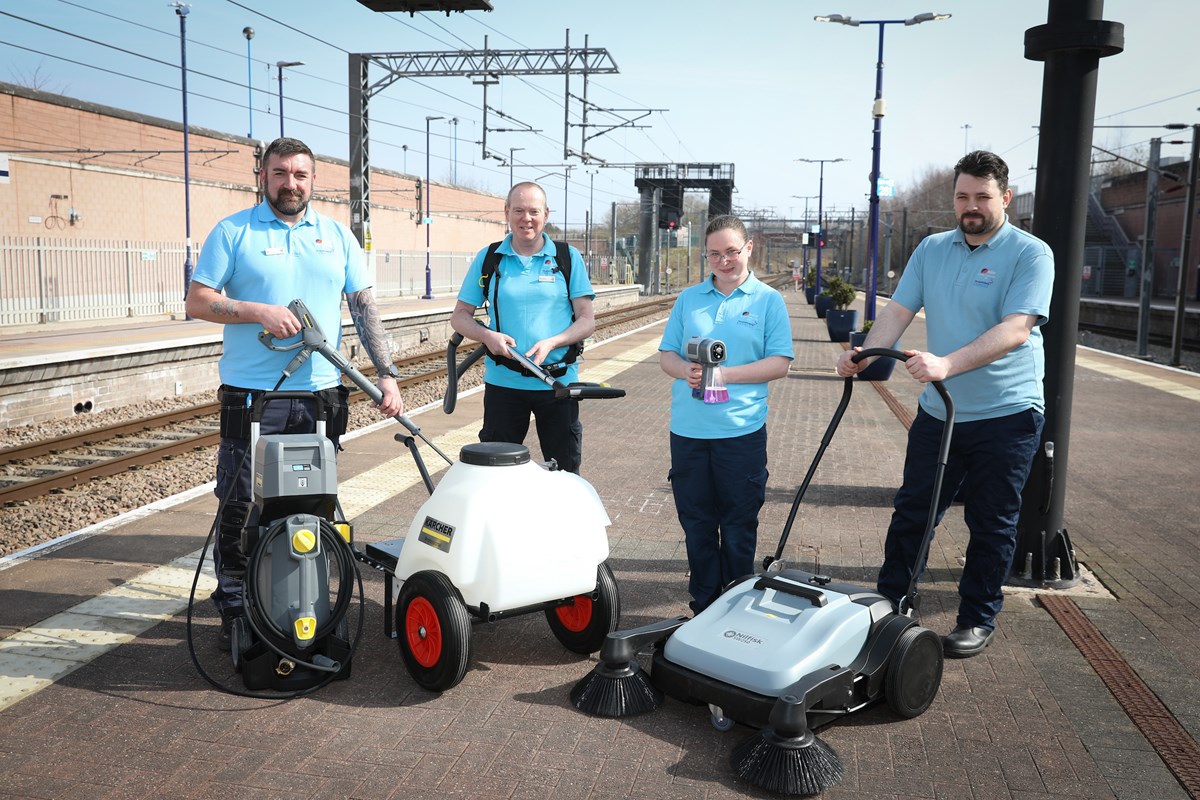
x,y
225,639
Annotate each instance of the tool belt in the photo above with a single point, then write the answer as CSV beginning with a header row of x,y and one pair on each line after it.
x,y
237,406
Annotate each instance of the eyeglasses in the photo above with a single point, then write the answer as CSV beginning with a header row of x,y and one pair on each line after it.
x,y
713,257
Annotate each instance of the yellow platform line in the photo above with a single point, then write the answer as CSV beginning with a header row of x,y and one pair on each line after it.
x,y
1106,367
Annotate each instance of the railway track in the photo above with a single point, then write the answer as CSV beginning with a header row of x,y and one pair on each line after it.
x,y
40,468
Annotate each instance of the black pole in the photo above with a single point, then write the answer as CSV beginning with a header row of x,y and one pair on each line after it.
x,y
1071,44
1146,282
182,10
1185,252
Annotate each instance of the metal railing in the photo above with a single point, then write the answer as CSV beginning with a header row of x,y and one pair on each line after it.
x,y
45,280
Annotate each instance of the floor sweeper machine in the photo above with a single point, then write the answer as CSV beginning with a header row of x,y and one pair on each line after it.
x,y
785,651
475,552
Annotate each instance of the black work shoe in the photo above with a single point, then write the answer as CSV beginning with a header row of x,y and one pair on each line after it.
x,y
967,642
225,639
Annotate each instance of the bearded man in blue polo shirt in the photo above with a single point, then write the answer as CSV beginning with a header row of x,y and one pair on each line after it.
x,y
719,449
985,288
252,265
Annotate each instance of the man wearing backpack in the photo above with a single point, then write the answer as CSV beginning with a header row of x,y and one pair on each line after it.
x,y
540,303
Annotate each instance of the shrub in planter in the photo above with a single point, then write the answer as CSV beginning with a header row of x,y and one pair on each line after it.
x,y
840,319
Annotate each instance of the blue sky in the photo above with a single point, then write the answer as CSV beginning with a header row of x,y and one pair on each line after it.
x,y
758,84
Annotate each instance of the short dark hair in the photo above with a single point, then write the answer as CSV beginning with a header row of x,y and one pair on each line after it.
x,y
982,164
726,222
285,146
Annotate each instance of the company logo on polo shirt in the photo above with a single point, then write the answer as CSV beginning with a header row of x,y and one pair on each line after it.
x,y
985,277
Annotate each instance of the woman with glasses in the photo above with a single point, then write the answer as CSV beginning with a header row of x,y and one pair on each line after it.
x,y
719,447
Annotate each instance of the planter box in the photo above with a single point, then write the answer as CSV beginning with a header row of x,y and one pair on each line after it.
x,y
840,323
810,293
823,303
878,370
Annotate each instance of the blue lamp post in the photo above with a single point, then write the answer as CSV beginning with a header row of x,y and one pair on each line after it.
x,y
182,10
248,32
280,65
428,218
877,111
820,211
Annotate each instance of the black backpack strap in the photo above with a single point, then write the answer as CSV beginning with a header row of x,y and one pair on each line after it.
x,y
491,264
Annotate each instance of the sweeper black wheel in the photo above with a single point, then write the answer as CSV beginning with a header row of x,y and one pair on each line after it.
x,y
434,631
915,672
582,626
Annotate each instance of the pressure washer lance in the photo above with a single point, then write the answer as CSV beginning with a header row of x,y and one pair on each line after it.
x,y
312,340
708,353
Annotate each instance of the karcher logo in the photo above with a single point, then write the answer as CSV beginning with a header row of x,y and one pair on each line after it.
x,y
744,638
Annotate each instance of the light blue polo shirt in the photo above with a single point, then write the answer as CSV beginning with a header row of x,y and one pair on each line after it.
x,y
753,323
533,302
254,256
965,292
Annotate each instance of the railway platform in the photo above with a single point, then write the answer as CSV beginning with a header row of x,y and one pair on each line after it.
x,y
99,697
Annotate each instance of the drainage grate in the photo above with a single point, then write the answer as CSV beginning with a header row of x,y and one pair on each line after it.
x,y
1169,739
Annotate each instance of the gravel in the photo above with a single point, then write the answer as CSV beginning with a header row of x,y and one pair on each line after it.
x,y
37,521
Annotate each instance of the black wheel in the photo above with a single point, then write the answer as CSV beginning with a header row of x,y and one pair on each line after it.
x,y
915,672
240,641
583,625
434,631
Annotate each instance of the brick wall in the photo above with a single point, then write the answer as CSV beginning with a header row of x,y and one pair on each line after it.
x,y
140,195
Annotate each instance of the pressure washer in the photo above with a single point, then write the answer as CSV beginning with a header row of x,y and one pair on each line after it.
x,y
785,651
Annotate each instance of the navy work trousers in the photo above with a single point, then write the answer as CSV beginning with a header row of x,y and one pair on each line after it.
x,y
990,460
719,487
506,419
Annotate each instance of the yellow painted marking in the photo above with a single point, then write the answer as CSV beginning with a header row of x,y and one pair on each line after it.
x,y
36,657
1106,367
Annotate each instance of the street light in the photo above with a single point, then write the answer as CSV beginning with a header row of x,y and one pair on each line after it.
x,y
428,220
511,150
182,9
454,168
248,32
591,220
877,111
280,65
807,231
820,211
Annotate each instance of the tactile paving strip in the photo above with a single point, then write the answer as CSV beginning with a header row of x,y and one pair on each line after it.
x,y
1169,739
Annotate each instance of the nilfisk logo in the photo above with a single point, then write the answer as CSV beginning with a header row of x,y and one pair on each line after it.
x,y
743,638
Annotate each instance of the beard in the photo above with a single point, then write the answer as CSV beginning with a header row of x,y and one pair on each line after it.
x,y
289,203
976,224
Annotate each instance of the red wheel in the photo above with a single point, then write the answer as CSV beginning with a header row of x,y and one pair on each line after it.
x,y
583,625
424,632
435,631
577,616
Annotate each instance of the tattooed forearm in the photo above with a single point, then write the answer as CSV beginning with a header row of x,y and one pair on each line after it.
x,y
365,314
224,308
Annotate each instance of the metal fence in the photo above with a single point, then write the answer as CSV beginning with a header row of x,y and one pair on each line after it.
x,y
1109,272
46,280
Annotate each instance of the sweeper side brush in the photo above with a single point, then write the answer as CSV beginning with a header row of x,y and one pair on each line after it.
x,y
784,651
